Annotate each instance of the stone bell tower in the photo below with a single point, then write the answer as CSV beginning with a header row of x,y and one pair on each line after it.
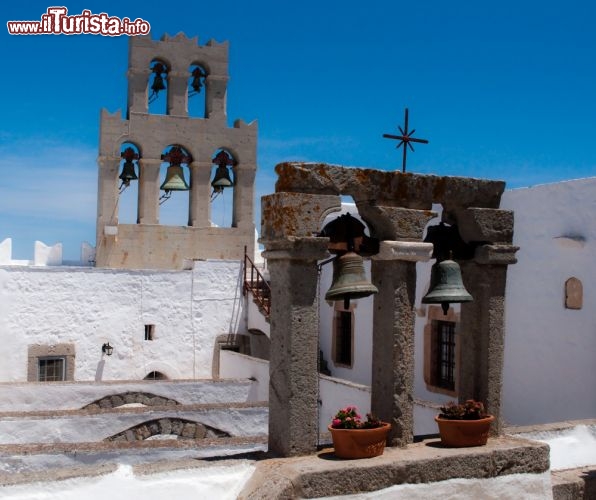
x,y
197,149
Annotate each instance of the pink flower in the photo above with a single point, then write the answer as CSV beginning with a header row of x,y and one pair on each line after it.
x,y
336,422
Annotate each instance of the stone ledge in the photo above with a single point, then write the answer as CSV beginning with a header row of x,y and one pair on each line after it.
x,y
426,462
574,484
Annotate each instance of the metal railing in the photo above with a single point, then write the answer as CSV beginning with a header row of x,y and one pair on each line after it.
x,y
255,283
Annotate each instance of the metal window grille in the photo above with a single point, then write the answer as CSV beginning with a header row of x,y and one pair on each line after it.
x,y
446,354
51,369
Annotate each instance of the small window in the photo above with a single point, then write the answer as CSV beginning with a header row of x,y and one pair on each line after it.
x,y
343,338
155,375
51,369
444,349
149,332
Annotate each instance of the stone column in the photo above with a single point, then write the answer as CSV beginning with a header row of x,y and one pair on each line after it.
x,y
200,194
294,379
215,104
394,274
243,213
482,330
177,93
148,191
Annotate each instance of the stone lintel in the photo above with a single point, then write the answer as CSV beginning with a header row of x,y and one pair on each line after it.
x,y
500,255
295,214
291,248
395,223
404,250
485,224
389,188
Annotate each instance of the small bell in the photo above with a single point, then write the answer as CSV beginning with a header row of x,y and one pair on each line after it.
x,y
221,178
174,180
446,285
158,84
128,173
349,280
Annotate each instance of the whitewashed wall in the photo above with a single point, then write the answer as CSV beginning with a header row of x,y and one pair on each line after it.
x,y
88,306
549,370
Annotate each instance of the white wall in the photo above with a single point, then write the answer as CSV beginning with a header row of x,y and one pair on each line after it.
x,y
549,370
89,306
233,365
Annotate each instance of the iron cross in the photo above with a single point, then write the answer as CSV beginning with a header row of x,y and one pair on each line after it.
x,y
405,138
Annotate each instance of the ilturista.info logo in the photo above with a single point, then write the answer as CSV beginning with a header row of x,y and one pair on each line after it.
x,y
56,21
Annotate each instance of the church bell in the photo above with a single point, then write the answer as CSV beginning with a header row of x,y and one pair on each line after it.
x,y
446,285
128,173
349,280
221,179
174,180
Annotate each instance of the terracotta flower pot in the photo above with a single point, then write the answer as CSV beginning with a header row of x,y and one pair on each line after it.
x,y
463,433
359,443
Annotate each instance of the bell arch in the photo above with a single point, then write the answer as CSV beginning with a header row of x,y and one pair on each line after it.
x,y
174,201
223,194
197,90
157,84
128,190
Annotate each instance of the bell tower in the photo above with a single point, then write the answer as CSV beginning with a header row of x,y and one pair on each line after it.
x,y
159,152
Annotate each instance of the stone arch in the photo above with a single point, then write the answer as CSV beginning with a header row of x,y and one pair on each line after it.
x,y
183,428
158,86
224,163
130,397
197,90
129,173
175,164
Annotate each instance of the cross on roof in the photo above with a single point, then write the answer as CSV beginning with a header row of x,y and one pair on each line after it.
x,y
405,138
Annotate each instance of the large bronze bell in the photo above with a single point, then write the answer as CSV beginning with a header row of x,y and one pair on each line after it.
x,y
221,179
128,173
349,280
174,180
446,285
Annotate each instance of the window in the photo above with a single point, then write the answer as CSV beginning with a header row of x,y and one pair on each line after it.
x,y
441,351
149,332
343,337
51,369
445,355
51,362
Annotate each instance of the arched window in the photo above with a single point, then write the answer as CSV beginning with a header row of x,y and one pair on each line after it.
x,y
155,375
197,91
158,87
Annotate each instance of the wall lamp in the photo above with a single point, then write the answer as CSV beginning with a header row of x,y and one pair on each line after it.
x,y
107,349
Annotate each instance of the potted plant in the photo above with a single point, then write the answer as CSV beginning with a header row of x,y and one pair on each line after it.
x,y
464,424
357,438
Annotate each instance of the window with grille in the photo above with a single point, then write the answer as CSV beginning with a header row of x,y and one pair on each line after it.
x,y
51,369
445,355
343,338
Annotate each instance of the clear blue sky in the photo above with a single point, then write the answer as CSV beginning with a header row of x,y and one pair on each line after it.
x,y
503,90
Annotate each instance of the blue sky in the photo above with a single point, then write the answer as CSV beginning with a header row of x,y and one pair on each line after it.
x,y
502,90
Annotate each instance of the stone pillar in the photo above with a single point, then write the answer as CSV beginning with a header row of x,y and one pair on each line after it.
x,y
482,330
243,211
177,93
107,191
394,274
148,191
200,194
293,375
215,104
